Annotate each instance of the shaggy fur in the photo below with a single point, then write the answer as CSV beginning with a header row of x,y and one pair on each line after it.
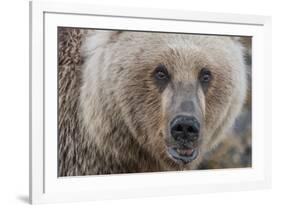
x,y
112,117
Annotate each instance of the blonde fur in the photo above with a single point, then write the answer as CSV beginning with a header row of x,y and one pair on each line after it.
x,y
123,117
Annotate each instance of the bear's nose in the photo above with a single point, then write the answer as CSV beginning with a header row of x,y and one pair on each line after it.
x,y
185,128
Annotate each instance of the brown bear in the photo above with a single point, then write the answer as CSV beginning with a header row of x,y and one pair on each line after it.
x,y
146,102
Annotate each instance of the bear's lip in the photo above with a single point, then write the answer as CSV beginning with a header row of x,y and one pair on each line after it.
x,y
184,155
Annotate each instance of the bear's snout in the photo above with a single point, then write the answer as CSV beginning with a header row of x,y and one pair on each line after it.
x,y
185,132
185,129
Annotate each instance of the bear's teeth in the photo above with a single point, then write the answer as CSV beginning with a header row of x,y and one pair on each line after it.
x,y
186,152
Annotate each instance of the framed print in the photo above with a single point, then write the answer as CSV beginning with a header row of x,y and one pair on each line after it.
x,y
129,102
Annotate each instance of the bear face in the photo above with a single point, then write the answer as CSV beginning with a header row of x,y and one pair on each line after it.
x,y
175,94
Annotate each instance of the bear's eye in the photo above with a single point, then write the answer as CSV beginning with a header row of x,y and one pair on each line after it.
x,y
161,76
205,76
161,73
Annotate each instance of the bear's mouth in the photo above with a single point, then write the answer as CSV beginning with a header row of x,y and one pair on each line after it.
x,y
184,155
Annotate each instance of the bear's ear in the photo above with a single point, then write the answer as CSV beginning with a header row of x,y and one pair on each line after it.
x,y
245,43
97,38
238,40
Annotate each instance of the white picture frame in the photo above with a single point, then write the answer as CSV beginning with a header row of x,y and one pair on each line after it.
x,y
46,187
